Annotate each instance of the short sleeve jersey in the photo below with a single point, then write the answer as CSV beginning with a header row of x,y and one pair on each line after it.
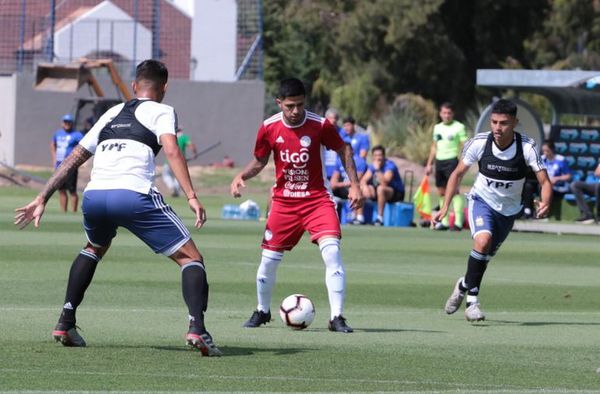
x,y
504,196
65,141
557,167
396,182
297,153
448,138
126,163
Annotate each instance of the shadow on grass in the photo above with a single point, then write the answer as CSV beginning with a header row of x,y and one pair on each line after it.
x,y
237,350
544,323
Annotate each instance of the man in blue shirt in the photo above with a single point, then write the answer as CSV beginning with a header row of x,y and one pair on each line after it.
x,y
382,182
63,142
560,175
359,141
330,157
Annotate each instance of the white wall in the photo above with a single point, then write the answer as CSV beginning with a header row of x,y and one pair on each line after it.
x,y
8,85
105,27
214,30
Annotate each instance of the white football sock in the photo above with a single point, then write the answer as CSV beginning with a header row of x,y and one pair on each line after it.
x,y
335,275
265,278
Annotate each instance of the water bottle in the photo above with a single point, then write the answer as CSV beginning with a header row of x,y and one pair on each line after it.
x,y
230,211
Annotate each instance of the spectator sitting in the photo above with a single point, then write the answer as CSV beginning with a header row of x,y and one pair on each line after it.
x,y
382,182
359,141
579,188
560,175
340,185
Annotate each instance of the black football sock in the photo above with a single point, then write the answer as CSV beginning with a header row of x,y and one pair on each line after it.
x,y
475,270
80,276
195,292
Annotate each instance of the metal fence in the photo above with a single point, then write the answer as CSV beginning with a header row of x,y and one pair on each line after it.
x,y
52,31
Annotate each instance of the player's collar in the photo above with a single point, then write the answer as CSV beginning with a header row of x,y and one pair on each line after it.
x,y
294,126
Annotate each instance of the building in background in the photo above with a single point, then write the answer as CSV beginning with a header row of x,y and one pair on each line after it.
x,y
203,40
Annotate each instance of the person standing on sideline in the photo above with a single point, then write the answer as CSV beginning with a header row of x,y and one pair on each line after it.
x,y
184,142
503,156
63,142
125,142
330,157
300,200
560,175
448,137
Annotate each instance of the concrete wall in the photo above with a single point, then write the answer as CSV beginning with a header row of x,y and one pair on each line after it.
x,y
7,120
208,112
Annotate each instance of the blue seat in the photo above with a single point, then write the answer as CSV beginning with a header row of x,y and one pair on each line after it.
x,y
590,178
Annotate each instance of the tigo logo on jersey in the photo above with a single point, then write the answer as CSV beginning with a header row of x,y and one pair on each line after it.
x,y
298,159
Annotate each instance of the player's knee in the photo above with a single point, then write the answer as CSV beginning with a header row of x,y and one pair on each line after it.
x,y
188,252
330,251
269,262
98,251
483,243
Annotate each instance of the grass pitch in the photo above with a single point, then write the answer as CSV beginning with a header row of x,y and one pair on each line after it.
x,y
540,294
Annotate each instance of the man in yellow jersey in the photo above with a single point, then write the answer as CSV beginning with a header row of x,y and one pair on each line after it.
x,y
448,137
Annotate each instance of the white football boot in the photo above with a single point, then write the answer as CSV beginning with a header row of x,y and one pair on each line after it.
x,y
455,299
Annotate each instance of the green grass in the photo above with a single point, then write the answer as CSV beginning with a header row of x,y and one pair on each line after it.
x,y
540,294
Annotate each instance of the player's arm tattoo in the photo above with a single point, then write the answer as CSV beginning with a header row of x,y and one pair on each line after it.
x,y
254,167
78,156
348,160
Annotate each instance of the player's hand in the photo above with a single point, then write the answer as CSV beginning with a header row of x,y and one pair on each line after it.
x,y
355,196
435,219
198,209
428,170
32,211
542,210
236,185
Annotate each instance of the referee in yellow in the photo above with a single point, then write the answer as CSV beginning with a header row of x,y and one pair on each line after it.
x,y
448,137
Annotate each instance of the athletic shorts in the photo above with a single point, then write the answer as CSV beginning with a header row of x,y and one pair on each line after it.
x,y
289,219
443,170
145,215
482,218
70,184
397,196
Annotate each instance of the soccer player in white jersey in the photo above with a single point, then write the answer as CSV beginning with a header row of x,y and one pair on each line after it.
x,y
125,142
495,199
301,201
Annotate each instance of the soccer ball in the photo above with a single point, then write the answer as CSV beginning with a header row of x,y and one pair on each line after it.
x,y
297,311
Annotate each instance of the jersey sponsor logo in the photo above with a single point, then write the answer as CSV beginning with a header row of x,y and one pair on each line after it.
x,y
120,125
296,186
500,168
499,184
279,140
298,159
301,194
118,146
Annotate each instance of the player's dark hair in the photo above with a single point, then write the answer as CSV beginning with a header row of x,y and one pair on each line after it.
x,y
152,71
291,87
447,104
378,147
505,107
550,145
349,119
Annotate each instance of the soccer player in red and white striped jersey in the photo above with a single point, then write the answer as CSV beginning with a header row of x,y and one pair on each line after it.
x,y
301,200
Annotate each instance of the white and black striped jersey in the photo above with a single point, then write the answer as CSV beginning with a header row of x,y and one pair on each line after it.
x,y
125,142
501,172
